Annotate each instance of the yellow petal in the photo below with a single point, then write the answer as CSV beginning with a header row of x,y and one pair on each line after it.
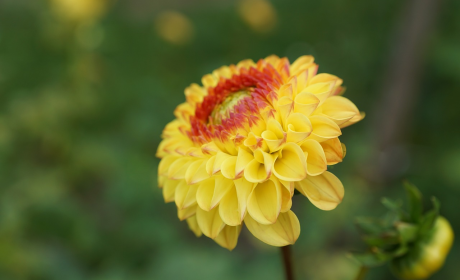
x,y
209,80
321,90
316,159
196,172
291,163
243,190
194,94
324,129
186,212
169,189
284,232
301,63
161,181
228,237
178,168
299,127
228,168
305,103
333,151
325,191
210,165
259,169
274,136
286,200
255,172
229,210
353,120
193,225
324,77
210,148
220,158
165,163
288,185
209,222
339,109
211,191
243,159
285,91
264,203
284,107
185,195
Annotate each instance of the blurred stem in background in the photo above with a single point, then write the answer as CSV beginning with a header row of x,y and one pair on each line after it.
x,y
287,261
395,107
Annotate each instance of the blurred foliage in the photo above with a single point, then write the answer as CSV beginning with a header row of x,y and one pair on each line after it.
x,y
85,95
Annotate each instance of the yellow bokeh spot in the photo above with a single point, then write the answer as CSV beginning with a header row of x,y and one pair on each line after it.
x,y
79,10
174,27
260,15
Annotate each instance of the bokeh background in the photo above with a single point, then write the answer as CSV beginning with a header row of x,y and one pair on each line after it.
x,y
86,87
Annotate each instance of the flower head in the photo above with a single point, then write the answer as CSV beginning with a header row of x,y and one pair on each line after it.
x,y
245,139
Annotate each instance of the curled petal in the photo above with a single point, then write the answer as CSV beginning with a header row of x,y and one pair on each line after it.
x,y
165,163
211,191
264,204
299,128
316,159
243,159
229,209
243,190
286,199
305,103
185,195
274,136
186,213
209,222
260,168
179,167
219,159
290,164
321,90
353,120
325,191
228,168
286,91
193,226
284,232
285,106
340,110
324,77
302,63
333,150
228,237
324,129
169,189
196,172
210,148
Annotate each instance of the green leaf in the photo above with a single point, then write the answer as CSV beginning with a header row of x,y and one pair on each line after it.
x,y
371,259
407,232
415,202
430,217
385,239
401,250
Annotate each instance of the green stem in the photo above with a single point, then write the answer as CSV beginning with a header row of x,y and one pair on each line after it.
x,y
287,261
362,273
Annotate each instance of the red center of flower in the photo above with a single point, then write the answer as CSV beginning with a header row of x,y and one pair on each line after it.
x,y
234,103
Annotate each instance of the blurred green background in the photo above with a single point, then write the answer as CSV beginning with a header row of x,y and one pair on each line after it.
x,y
86,89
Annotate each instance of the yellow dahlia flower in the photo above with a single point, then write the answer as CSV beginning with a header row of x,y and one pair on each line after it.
x,y
245,139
